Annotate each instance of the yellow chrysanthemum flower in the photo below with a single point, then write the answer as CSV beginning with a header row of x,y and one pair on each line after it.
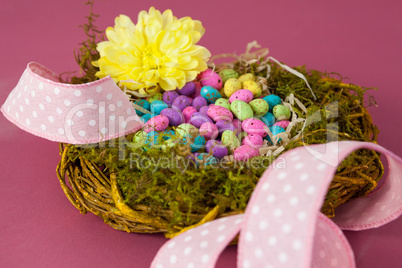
x,y
160,51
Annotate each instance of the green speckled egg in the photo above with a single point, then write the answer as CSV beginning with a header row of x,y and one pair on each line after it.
x,y
253,87
246,77
157,96
231,86
241,110
227,74
139,139
186,129
259,107
229,139
223,102
281,112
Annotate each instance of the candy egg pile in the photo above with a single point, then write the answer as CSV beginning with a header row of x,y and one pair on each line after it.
x,y
216,114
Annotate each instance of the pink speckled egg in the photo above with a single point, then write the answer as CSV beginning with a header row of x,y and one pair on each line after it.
x,y
217,113
209,131
283,123
188,112
253,140
243,95
157,123
245,152
210,78
254,126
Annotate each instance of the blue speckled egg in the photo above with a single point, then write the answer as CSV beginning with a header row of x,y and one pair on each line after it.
x,y
157,106
208,159
145,118
152,139
268,119
210,93
272,100
199,142
275,130
144,104
167,134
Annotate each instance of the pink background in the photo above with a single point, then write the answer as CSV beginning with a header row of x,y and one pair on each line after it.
x,y
40,228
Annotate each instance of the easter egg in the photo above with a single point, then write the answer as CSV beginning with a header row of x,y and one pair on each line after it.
x,y
210,144
181,102
198,102
231,86
197,119
281,112
245,152
167,134
142,103
283,123
157,123
157,106
188,112
145,118
242,135
152,139
229,139
138,139
217,113
204,109
210,93
198,87
253,87
210,78
272,100
187,130
198,143
223,102
187,90
246,77
275,130
223,125
237,124
243,95
259,106
156,96
241,110
169,96
219,151
254,126
227,74
209,131
268,119
253,140
207,159
175,117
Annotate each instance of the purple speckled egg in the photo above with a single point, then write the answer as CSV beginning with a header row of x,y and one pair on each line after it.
x,y
245,152
188,112
198,102
169,96
175,116
211,143
219,151
283,123
254,126
210,78
223,125
181,102
243,95
188,89
197,119
237,124
209,131
157,123
217,113
253,140
204,109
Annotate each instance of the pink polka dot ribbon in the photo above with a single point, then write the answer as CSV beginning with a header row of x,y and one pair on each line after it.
x,y
282,225
78,114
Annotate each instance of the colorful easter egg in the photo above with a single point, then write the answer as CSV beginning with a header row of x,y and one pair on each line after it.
x,y
198,143
253,140
187,130
246,77
188,112
181,102
217,113
198,102
231,86
268,119
144,104
152,139
253,87
169,96
157,106
157,123
187,90
229,139
167,134
175,116
237,124
204,109
227,74
223,125
259,106
283,123
207,159
156,96
254,126
138,139
275,130
198,87
145,118
223,102
210,144
245,152
243,95
209,131
197,119
219,151
272,100
241,110
210,93
281,112
210,78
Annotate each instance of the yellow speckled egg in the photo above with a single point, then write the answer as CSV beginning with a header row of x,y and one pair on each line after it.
x,y
246,77
231,86
253,87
